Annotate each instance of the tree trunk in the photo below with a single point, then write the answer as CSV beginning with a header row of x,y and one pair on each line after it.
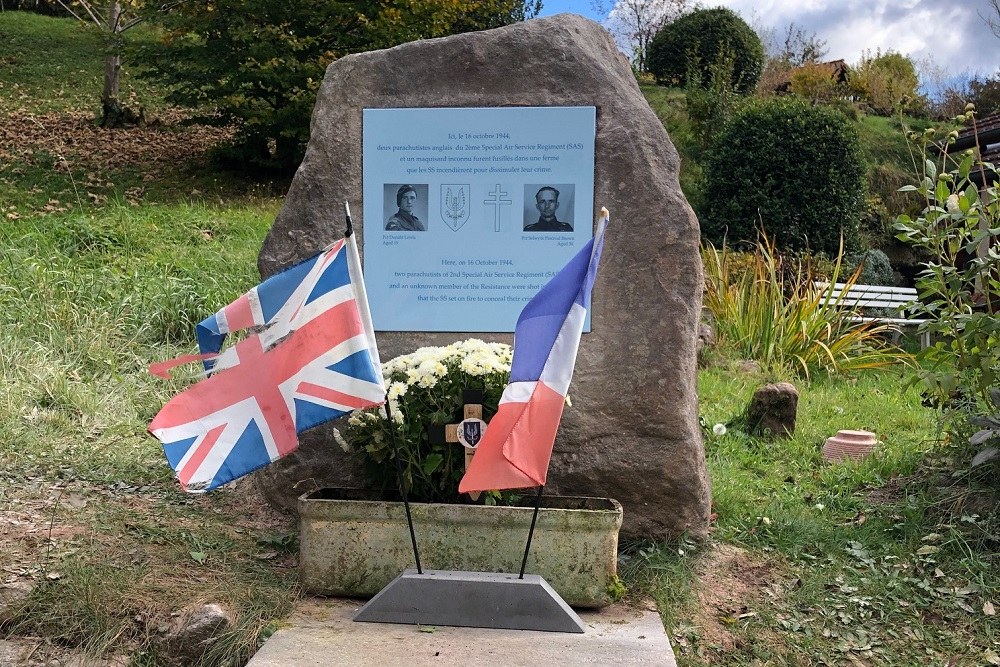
x,y
112,111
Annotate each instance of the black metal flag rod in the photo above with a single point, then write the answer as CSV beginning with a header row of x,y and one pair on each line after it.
x,y
402,486
392,439
531,531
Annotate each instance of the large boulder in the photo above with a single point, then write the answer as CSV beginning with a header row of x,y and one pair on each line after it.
x,y
632,433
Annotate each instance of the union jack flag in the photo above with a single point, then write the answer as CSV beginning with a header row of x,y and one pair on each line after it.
x,y
310,358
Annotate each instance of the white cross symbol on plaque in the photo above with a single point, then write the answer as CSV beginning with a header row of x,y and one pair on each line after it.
x,y
497,201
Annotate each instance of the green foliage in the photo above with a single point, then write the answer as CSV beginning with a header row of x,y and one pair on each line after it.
x,y
789,167
702,39
259,64
873,266
425,389
985,94
777,315
885,80
959,285
711,103
989,433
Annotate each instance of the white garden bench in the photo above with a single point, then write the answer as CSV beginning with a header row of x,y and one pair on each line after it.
x,y
895,299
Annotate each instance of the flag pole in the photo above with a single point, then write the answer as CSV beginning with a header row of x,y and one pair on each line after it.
x,y
531,531
392,436
402,485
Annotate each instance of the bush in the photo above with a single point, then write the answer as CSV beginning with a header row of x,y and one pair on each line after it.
x,y
875,268
425,389
884,81
793,169
699,41
259,64
813,82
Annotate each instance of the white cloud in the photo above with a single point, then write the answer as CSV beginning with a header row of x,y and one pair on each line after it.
x,y
951,33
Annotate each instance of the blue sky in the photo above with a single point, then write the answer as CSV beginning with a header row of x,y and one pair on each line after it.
x,y
948,32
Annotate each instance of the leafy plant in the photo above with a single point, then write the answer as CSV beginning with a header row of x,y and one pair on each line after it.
x,y
989,434
959,285
425,389
790,167
781,317
701,39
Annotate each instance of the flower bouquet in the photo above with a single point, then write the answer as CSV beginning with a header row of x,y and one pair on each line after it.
x,y
425,389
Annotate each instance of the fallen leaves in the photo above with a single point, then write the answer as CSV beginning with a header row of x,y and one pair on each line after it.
x,y
71,142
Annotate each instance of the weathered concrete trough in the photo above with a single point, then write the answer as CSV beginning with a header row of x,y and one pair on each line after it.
x,y
352,544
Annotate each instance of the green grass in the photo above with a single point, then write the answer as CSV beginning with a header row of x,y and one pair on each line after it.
x,y
70,74
888,561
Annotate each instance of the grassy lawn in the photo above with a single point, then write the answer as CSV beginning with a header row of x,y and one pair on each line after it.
x,y
114,243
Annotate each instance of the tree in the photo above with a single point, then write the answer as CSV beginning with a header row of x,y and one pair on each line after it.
x,y
788,167
635,22
112,23
985,94
884,80
257,64
700,41
801,48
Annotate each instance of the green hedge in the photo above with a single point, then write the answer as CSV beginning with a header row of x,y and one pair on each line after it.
x,y
791,168
701,40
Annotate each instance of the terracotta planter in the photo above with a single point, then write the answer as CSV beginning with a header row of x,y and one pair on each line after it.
x,y
353,544
849,444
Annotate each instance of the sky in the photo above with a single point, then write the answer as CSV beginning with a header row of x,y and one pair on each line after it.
x,y
949,32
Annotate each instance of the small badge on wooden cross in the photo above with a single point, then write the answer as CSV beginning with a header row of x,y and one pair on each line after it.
x,y
468,432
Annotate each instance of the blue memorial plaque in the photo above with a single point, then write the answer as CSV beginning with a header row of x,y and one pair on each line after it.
x,y
469,211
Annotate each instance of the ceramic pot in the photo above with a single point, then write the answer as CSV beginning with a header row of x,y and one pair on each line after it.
x,y
849,444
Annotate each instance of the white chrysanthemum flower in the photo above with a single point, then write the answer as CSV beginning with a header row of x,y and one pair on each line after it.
x,y
397,389
470,366
719,429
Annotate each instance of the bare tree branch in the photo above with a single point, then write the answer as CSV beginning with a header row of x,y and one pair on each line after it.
x,y
635,22
74,14
993,18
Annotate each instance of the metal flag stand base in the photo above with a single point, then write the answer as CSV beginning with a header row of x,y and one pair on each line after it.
x,y
471,599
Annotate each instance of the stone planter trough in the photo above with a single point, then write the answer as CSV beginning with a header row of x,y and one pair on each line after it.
x,y
353,544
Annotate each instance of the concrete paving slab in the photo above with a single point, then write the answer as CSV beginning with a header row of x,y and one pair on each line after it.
x,y
321,633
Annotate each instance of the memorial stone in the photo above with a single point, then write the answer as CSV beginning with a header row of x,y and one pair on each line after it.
x,y
632,433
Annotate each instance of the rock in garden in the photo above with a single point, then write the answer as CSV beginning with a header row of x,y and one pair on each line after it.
x,y
706,337
772,410
10,595
193,631
632,433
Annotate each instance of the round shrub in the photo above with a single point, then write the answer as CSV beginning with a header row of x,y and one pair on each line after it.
x,y
790,168
702,42
875,268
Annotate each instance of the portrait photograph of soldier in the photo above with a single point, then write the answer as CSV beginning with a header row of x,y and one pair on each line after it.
x,y
410,205
548,208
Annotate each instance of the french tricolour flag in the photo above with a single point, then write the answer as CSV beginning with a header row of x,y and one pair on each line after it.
x,y
515,450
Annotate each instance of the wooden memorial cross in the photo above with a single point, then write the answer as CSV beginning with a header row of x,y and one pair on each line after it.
x,y
468,432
